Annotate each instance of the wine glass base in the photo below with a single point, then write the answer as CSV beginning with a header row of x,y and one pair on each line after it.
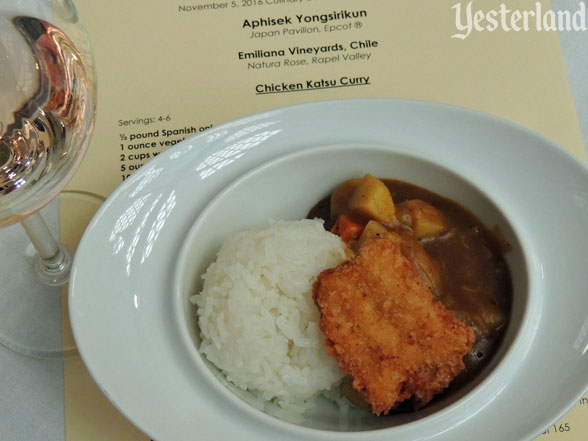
x,y
30,312
34,317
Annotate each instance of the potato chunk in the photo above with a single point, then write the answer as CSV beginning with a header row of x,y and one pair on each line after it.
x,y
375,229
372,199
424,219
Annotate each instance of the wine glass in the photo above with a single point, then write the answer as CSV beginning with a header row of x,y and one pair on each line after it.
x,y
47,108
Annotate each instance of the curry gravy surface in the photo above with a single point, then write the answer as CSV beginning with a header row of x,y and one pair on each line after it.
x,y
475,279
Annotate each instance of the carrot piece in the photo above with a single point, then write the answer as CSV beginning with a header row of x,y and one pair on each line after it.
x,y
347,228
335,228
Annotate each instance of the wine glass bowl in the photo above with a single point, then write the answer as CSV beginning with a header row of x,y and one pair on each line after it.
x,y
43,138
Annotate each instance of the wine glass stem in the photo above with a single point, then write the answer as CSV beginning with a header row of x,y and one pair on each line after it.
x,y
42,239
54,263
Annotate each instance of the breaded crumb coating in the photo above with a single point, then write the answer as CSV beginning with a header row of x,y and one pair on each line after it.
x,y
387,330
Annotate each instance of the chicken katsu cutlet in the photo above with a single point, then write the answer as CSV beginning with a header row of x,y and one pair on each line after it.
x,y
387,329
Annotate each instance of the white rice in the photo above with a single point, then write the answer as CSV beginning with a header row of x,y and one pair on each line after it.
x,y
257,318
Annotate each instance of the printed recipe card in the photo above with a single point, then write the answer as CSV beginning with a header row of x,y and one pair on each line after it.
x,y
169,69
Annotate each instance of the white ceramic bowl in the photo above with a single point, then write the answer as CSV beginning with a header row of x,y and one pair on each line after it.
x,y
141,257
287,188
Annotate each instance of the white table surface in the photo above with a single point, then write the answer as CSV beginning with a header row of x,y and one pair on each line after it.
x,y
31,390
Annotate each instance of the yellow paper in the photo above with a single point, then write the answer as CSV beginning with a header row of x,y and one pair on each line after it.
x,y
572,427
170,69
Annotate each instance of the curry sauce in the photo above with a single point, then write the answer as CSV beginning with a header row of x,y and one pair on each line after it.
x,y
475,282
